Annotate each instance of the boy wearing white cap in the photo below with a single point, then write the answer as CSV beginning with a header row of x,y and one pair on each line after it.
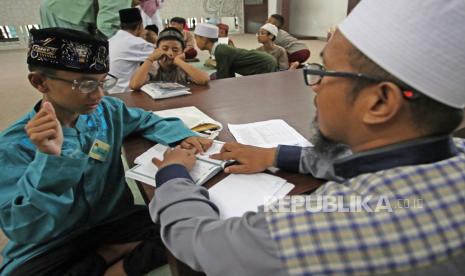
x,y
232,60
296,49
267,35
392,90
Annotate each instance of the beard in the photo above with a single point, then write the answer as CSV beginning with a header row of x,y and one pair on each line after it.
x,y
324,144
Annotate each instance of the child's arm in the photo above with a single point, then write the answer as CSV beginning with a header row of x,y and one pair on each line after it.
x,y
198,76
140,76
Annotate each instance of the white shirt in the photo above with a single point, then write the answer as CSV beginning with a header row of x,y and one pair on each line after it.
x,y
155,19
126,53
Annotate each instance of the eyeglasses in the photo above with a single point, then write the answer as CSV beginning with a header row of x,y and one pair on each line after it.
x,y
314,73
89,86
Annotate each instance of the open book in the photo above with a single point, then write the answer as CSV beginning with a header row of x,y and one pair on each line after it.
x,y
163,90
194,119
204,169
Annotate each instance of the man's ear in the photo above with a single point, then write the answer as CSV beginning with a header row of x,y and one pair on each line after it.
x,y
383,102
38,81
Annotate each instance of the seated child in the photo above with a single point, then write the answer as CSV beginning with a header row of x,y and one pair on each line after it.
x,y
180,24
223,31
151,33
266,35
296,50
166,63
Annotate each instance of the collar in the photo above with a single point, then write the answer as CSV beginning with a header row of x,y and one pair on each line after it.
x,y
413,152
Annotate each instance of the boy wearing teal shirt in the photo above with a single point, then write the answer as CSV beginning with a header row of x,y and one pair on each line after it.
x,y
64,203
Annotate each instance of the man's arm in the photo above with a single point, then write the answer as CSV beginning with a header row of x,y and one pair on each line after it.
x,y
192,231
308,160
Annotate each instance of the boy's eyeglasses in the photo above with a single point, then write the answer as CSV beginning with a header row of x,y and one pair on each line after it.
x,y
89,86
314,73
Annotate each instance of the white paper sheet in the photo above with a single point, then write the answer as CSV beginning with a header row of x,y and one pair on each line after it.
x,y
268,134
240,193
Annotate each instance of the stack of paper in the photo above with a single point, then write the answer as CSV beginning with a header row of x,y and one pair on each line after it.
x,y
163,90
268,134
203,170
240,193
194,119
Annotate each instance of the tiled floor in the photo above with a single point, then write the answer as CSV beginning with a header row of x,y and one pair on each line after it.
x,y
18,96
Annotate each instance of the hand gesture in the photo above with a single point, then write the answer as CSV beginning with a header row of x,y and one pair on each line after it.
x,y
198,143
157,54
177,155
251,159
44,130
180,57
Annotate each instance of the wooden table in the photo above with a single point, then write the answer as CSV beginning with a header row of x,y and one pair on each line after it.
x,y
281,95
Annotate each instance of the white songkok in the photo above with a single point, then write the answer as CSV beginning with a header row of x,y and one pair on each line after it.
x,y
421,42
206,30
272,29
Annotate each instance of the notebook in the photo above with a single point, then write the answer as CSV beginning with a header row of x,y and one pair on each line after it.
x,y
163,90
194,119
204,169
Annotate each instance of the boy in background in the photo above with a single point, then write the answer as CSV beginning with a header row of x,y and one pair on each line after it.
x,y
167,63
180,24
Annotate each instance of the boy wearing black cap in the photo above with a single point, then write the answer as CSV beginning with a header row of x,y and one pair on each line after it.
x,y
65,206
167,63
128,49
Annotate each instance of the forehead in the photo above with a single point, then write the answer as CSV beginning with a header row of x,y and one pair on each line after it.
x,y
337,50
169,43
79,76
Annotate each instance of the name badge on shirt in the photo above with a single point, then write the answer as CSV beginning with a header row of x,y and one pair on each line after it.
x,y
99,150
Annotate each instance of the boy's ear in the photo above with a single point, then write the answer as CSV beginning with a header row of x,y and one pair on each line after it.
x,y
38,81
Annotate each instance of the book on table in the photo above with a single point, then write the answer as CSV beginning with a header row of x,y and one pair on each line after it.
x,y
163,90
204,168
194,119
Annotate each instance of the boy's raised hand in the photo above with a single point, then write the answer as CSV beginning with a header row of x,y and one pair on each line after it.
x,y
44,130
157,54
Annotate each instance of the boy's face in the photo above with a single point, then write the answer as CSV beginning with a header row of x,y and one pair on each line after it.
x,y
172,49
201,42
177,25
222,33
151,36
61,94
263,36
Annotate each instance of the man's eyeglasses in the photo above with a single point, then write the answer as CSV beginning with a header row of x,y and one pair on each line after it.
x,y
89,86
314,73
